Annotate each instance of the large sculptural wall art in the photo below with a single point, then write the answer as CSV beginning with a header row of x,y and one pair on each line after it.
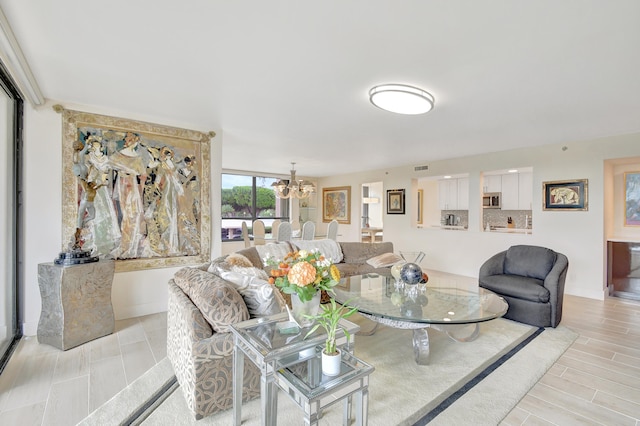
x,y
135,192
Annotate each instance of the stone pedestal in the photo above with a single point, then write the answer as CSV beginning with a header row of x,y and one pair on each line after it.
x,y
76,303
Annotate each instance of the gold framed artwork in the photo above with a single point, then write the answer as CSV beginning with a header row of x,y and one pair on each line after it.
x,y
420,207
135,192
565,195
336,204
632,199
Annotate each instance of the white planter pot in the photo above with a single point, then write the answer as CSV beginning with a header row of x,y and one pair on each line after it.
x,y
331,364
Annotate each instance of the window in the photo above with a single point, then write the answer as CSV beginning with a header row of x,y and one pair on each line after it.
x,y
247,198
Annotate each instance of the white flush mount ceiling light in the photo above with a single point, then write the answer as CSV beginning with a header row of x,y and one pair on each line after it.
x,y
401,99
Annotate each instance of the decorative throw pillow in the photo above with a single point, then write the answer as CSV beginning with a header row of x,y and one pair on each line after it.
x,y
236,259
261,298
218,301
275,251
329,248
385,259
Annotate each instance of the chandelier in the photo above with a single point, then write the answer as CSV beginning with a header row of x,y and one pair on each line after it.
x,y
294,188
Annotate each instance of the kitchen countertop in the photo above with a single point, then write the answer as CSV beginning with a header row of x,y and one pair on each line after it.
x,y
512,230
451,227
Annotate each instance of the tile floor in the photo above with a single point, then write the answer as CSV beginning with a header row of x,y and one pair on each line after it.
x,y
42,385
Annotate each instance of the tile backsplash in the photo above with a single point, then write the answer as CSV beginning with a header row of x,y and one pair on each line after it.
x,y
497,217
493,217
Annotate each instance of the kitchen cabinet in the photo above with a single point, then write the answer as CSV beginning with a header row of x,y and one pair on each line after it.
x,y
492,183
453,194
448,194
525,191
463,193
510,191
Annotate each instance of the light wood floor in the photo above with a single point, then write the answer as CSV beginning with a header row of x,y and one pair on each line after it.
x,y
596,382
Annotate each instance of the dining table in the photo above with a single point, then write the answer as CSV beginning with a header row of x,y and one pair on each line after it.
x,y
372,233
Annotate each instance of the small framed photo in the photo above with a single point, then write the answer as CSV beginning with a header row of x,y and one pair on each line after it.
x,y
336,204
632,199
565,195
395,201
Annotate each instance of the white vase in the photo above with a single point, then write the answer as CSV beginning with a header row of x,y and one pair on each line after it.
x,y
301,309
331,363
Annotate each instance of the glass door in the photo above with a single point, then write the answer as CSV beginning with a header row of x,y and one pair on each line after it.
x,y
10,223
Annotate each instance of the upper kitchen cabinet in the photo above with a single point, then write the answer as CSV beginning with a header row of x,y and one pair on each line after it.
x,y
514,187
510,191
492,183
453,194
525,190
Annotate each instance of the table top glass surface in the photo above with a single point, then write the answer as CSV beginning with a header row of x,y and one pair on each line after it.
x,y
263,335
308,378
445,299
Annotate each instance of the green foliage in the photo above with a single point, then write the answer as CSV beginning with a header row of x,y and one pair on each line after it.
x,y
329,319
227,210
239,198
265,198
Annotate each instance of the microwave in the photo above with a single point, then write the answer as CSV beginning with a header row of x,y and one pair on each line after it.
x,y
491,200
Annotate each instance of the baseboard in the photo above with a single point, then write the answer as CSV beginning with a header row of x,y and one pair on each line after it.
x,y
135,311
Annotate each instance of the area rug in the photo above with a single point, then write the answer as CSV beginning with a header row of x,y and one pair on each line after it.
x,y
400,391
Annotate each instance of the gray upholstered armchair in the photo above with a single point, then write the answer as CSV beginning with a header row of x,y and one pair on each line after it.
x,y
531,279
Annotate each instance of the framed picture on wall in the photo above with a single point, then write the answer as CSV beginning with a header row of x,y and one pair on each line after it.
x,y
565,195
395,201
632,199
135,192
336,204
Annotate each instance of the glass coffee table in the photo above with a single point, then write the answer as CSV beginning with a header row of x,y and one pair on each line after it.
x,y
448,303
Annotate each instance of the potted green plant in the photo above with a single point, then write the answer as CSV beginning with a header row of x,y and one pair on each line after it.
x,y
329,318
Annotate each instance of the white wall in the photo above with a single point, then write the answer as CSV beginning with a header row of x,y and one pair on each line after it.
x,y
579,235
134,293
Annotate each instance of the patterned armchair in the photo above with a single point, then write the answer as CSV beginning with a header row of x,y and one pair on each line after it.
x,y
202,306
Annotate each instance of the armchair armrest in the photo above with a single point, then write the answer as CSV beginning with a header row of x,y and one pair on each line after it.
x,y
554,282
493,266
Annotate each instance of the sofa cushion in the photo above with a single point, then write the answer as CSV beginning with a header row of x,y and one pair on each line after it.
x,y
360,252
219,302
529,261
516,286
329,248
252,254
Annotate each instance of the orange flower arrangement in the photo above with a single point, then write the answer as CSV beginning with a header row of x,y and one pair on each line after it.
x,y
304,273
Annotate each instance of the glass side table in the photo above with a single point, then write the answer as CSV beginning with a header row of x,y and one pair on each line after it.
x,y
259,340
312,391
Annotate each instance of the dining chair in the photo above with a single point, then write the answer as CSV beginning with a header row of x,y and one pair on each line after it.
x,y
308,230
258,232
274,228
284,232
332,230
245,234
295,229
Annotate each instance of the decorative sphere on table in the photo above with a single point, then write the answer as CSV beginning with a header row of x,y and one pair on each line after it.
x,y
395,270
411,273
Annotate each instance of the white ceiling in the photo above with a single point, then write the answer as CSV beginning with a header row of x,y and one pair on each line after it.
x,y
288,80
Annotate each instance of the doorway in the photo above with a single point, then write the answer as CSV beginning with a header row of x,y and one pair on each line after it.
x,y
622,227
371,207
